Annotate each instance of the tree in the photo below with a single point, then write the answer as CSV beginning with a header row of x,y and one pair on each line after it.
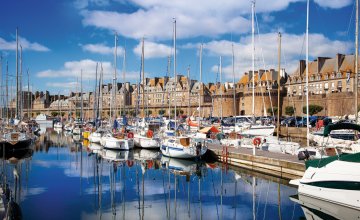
x,y
289,110
62,114
313,109
270,110
148,112
173,111
161,111
181,111
54,114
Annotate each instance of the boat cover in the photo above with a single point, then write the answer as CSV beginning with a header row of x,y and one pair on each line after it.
x,y
340,126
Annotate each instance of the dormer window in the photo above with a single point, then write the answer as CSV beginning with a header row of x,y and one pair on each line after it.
x,y
326,76
332,75
338,75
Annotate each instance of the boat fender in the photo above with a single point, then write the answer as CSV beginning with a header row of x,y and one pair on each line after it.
x,y
257,141
149,134
130,163
130,135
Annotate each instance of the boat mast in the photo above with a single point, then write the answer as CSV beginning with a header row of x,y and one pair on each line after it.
x,y
175,75
307,75
123,98
278,82
1,86
189,84
221,94
200,85
95,94
81,98
253,58
17,75
234,87
28,95
253,62
7,93
113,97
20,86
101,89
356,60
143,77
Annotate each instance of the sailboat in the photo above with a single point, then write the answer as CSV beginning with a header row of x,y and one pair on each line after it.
x,y
181,146
333,179
146,136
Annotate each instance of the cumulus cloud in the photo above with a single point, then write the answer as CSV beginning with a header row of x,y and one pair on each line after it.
x,y
266,49
26,45
102,49
153,50
335,4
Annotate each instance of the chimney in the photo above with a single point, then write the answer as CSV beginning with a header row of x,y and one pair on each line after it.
x,y
338,61
261,72
127,86
302,66
320,63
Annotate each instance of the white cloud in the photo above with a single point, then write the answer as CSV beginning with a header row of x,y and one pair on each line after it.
x,y
102,49
267,47
74,68
26,45
335,4
86,3
153,50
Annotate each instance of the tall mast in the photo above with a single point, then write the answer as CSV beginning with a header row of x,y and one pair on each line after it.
x,y
253,57
113,97
81,98
221,92
168,93
7,92
123,99
20,84
234,87
356,60
95,94
189,84
307,75
278,82
17,75
143,77
175,75
1,86
253,62
28,95
101,90
200,85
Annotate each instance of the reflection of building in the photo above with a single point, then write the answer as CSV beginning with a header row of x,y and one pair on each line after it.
x,y
331,83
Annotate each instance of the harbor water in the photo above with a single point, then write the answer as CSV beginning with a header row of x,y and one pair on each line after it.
x,y
65,177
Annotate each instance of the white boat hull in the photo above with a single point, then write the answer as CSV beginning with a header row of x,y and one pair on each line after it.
x,y
178,151
144,142
117,144
337,182
95,137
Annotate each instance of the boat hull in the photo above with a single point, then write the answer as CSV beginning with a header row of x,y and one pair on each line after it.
x,y
117,144
145,142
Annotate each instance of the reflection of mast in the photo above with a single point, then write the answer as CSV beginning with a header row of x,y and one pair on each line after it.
x,y
279,200
200,197
254,198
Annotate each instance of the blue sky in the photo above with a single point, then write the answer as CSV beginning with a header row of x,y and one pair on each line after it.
x,y
61,38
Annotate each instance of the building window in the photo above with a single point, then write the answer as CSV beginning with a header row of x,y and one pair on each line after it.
x,y
338,75
339,84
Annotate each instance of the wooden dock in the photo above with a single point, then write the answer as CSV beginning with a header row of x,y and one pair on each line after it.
x,y
276,164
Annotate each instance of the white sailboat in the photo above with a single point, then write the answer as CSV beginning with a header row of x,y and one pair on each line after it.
x,y
181,146
145,135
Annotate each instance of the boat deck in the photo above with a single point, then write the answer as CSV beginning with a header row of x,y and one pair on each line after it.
x,y
277,164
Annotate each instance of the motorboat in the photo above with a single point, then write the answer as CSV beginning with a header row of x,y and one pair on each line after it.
x,y
15,139
95,136
117,143
333,179
58,125
183,147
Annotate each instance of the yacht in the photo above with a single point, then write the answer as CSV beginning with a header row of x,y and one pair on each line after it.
x,y
183,147
117,143
333,179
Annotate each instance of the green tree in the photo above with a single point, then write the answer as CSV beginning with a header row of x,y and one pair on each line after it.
x,y
148,112
289,110
161,111
173,111
270,110
313,109
54,114
181,111
62,114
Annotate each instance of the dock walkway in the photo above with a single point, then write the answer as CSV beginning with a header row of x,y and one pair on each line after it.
x,y
276,164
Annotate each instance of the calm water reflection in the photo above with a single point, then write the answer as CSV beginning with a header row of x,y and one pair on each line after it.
x,y
66,178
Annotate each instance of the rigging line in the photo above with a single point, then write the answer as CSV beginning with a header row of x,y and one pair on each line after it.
x,y
350,21
263,60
